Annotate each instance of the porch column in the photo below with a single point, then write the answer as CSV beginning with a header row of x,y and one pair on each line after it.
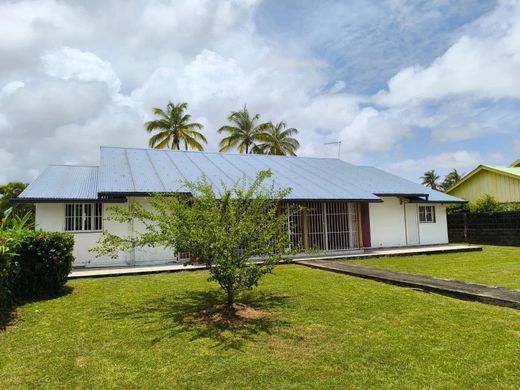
x,y
305,225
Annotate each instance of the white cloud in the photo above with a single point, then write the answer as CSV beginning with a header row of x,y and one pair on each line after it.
x,y
6,160
483,65
371,131
462,160
10,88
68,63
77,78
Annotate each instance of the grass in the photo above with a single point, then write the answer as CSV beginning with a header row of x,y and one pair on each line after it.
x,y
494,266
318,330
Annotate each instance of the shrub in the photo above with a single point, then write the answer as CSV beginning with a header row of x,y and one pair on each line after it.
x,y
6,266
43,262
486,204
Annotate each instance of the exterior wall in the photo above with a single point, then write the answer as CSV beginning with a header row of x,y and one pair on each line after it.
x,y
387,226
149,255
503,188
51,217
435,233
388,229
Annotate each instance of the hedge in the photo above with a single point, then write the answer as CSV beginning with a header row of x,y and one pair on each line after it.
x,y
38,265
6,266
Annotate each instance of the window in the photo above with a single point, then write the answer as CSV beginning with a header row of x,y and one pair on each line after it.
x,y
83,217
427,214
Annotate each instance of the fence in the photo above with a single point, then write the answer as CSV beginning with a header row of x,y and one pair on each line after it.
x,y
501,228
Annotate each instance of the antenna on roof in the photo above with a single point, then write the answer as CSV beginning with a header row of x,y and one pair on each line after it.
x,y
335,143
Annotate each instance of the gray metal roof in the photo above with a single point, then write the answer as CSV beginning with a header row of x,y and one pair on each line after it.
x,y
63,182
383,183
125,171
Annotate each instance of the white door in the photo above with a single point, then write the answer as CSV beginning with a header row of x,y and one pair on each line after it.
x,y
412,224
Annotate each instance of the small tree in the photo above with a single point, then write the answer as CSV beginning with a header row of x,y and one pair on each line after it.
x,y
223,231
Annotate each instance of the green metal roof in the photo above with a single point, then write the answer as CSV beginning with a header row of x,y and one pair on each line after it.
x,y
507,170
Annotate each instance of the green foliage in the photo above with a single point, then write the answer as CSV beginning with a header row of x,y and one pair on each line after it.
x,y
222,231
451,179
244,133
174,128
430,179
6,266
277,140
8,192
486,204
12,221
42,263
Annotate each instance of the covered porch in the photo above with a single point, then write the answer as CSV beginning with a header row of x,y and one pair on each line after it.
x,y
327,225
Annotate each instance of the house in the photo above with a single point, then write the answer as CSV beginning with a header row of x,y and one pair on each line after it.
x,y
503,183
346,207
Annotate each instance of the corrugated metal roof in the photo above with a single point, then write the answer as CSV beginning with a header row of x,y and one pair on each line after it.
x,y
142,171
383,183
124,170
509,170
64,182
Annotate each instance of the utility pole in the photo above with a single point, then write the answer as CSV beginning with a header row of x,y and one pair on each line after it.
x,y
335,143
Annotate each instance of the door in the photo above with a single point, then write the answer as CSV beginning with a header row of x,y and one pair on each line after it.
x,y
411,224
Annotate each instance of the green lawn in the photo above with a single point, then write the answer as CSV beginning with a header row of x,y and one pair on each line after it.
x,y
319,330
494,266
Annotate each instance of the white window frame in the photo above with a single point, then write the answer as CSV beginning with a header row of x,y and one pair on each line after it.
x,y
426,214
83,217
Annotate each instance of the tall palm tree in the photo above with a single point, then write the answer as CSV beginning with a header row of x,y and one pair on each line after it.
x,y
451,179
243,133
278,140
174,127
429,179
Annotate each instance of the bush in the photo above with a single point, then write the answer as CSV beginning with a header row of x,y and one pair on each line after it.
x,y
6,266
486,204
43,261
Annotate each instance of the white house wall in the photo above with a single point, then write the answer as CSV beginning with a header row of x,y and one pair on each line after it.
x,y
149,255
388,229
435,233
51,217
387,226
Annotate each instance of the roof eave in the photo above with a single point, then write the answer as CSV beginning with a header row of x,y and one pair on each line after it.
x,y
57,200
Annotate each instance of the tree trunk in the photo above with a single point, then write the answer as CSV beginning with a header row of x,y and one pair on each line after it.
x,y
230,296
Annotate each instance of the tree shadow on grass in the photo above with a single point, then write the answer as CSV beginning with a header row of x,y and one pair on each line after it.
x,y
7,318
202,314
8,315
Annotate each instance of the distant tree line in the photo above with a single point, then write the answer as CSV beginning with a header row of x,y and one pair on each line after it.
x,y
246,133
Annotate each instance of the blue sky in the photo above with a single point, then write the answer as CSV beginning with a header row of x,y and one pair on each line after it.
x,y
405,85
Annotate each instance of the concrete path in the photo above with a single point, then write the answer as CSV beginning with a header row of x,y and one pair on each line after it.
x,y
366,254
78,273
468,291
397,252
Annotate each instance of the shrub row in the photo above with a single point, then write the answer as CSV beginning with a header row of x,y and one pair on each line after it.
x,y
35,264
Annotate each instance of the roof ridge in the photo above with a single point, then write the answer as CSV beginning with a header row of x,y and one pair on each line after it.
x,y
74,165
223,153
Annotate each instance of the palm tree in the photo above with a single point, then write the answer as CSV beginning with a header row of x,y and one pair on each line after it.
x,y
429,179
244,134
174,127
451,179
278,140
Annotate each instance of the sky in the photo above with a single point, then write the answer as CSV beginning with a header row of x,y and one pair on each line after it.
x,y
406,86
